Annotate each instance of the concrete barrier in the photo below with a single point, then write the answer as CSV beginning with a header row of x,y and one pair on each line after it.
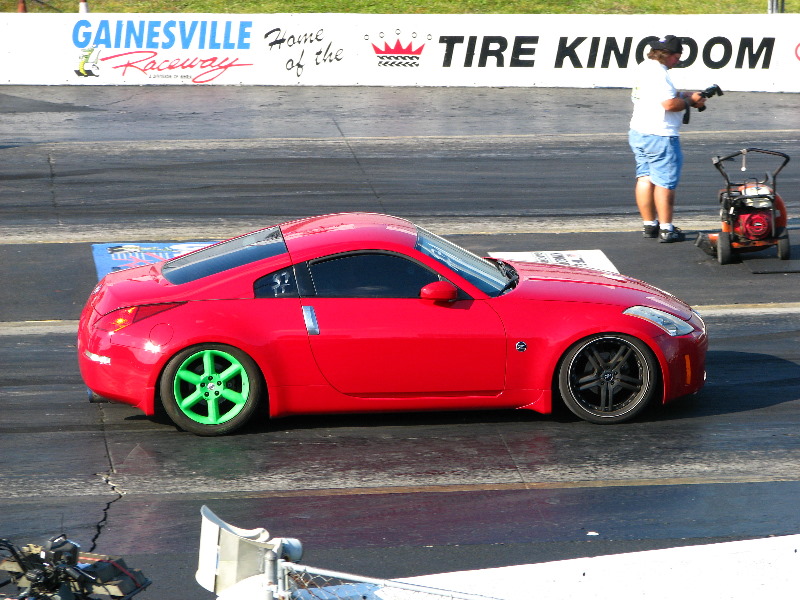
x,y
762,568
737,52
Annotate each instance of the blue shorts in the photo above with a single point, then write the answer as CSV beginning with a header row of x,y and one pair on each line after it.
x,y
658,157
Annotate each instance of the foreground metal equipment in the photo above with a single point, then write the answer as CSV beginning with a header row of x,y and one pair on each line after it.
x,y
752,213
58,570
247,563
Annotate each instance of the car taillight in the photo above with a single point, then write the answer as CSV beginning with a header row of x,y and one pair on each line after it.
x,y
123,317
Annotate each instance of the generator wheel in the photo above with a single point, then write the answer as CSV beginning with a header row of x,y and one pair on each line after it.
x,y
724,250
784,247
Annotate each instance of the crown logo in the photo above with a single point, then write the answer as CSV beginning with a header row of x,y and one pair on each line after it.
x,y
398,49
398,55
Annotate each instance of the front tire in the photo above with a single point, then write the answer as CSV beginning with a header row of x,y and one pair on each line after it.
x,y
608,378
211,389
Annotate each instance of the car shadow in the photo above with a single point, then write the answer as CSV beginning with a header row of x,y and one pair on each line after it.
x,y
377,420
360,420
737,382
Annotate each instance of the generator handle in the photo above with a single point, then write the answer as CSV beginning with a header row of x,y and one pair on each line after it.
x,y
718,160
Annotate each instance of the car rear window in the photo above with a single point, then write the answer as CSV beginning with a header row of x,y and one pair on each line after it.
x,y
225,255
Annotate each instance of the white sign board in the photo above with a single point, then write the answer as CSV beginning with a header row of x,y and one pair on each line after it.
x,y
737,52
587,259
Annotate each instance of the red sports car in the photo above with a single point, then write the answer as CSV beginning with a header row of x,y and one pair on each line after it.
x,y
361,312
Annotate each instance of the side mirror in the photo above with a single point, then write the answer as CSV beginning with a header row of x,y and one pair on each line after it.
x,y
439,291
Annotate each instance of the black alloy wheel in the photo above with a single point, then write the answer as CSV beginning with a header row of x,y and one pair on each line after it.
x,y
608,378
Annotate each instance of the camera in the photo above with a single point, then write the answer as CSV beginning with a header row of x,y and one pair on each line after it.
x,y
59,550
713,90
58,570
710,92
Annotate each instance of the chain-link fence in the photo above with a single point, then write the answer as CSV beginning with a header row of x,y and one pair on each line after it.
x,y
248,563
309,583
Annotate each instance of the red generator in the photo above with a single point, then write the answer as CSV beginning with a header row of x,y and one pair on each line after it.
x,y
753,215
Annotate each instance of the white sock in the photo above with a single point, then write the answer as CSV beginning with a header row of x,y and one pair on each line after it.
x,y
667,227
650,223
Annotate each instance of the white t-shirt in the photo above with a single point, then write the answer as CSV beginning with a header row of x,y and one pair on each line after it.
x,y
652,85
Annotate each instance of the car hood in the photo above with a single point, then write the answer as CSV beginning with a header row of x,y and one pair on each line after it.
x,y
547,282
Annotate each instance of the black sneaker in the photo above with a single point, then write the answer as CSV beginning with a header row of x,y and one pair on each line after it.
x,y
650,231
675,235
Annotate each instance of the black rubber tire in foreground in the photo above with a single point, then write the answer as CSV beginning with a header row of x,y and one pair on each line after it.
x,y
784,246
724,250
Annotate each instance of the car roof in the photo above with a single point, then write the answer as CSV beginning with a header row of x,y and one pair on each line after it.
x,y
329,234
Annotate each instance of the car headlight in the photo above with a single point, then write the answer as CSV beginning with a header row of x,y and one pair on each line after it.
x,y
669,323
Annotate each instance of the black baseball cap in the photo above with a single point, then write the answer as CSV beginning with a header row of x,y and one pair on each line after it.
x,y
669,43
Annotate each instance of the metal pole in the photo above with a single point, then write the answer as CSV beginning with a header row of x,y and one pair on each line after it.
x,y
271,571
271,567
775,6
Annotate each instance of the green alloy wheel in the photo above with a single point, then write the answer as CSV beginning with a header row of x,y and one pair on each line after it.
x,y
608,378
211,389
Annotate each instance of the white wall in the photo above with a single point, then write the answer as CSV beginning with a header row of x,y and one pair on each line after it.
x,y
737,52
746,570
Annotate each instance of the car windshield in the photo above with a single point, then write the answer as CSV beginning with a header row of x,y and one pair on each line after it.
x,y
225,255
487,276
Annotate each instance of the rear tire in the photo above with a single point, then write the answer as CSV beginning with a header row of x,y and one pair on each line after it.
x,y
608,378
784,246
211,389
724,251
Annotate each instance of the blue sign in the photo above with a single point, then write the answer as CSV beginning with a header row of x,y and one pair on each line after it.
x,y
125,255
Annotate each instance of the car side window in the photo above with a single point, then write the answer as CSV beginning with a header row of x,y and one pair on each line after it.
x,y
278,284
369,275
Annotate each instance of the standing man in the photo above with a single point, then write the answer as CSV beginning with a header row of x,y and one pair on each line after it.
x,y
657,115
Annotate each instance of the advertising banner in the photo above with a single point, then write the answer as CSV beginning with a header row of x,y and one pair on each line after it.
x,y
117,256
736,52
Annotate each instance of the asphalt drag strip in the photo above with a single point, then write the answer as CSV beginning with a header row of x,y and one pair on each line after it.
x,y
403,495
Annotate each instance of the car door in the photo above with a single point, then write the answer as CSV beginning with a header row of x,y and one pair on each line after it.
x,y
372,335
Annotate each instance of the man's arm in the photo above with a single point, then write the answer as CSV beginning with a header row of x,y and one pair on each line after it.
x,y
683,101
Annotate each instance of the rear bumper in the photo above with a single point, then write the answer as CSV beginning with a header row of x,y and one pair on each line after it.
x,y
119,373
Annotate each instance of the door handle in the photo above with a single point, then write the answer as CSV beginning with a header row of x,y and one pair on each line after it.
x,y
310,318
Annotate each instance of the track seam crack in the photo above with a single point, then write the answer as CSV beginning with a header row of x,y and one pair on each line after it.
x,y
358,162
52,184
107,479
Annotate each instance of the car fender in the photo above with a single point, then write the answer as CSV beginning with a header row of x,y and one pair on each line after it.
x,y
541,332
